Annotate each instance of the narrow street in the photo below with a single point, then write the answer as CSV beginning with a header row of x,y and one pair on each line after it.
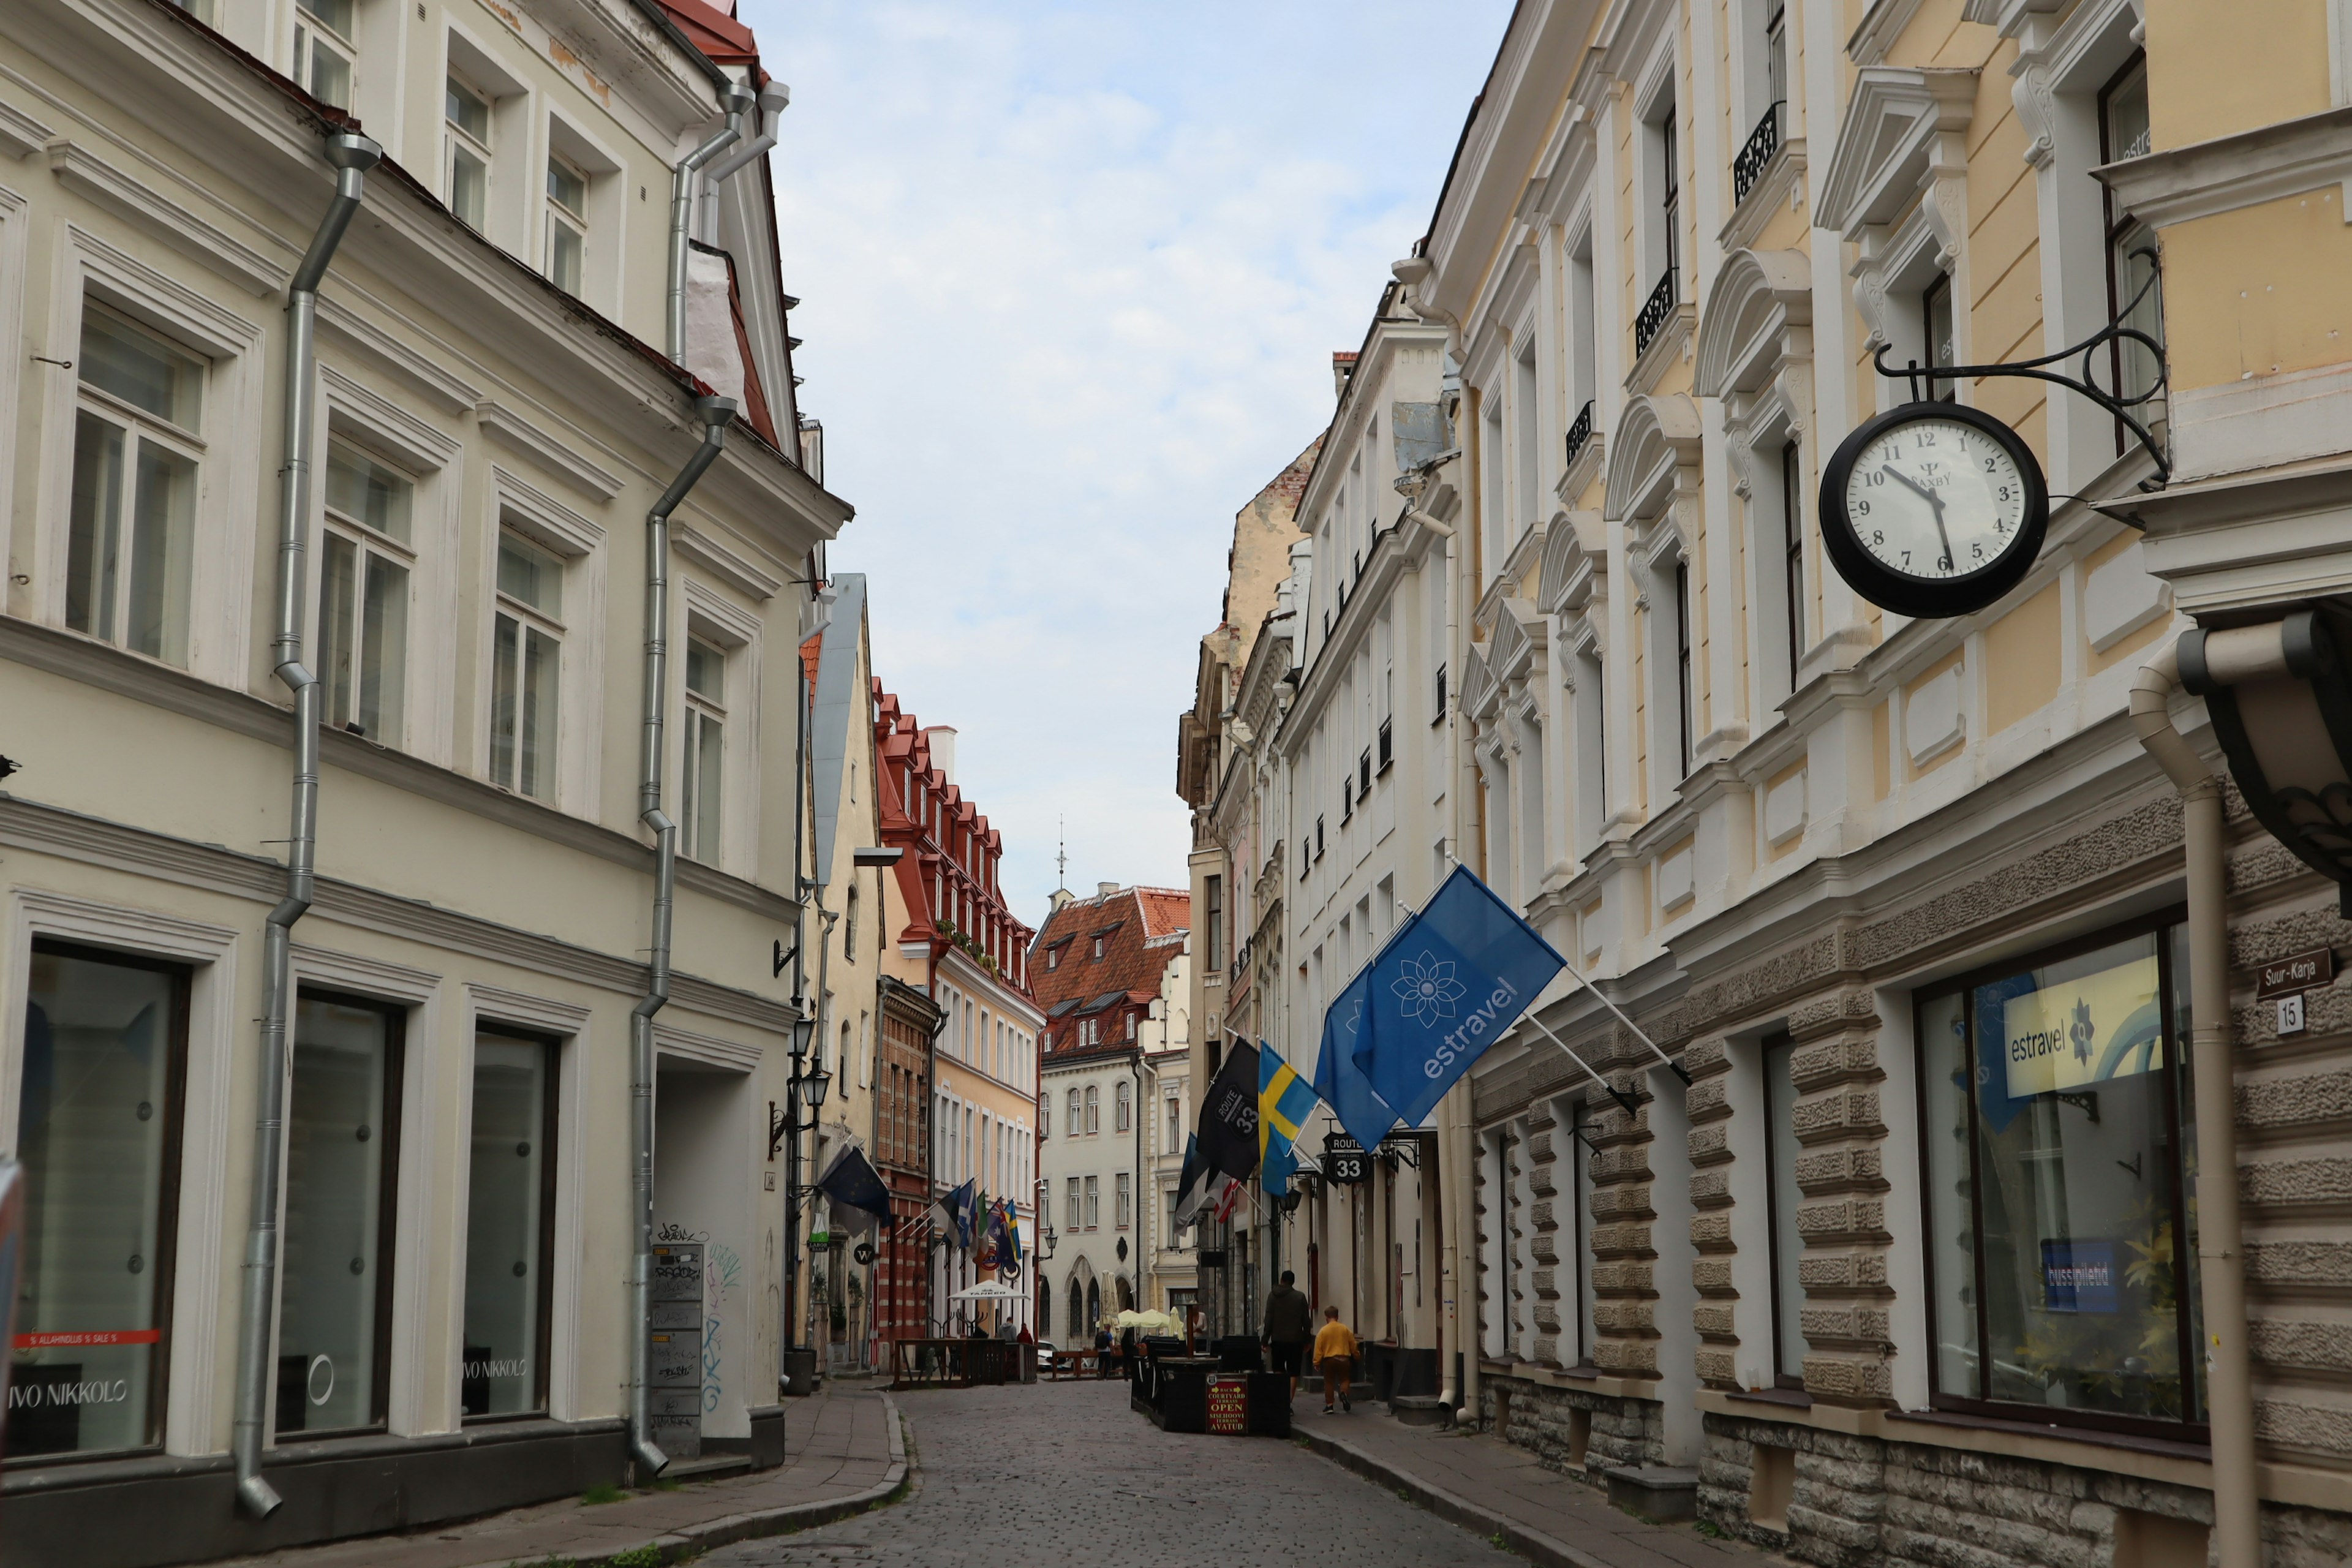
x,y
1042,1473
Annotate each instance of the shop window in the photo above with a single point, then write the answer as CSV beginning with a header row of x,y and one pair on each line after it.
x,y
509,1227
342,1143
2056,1111
1780,1200
97,1134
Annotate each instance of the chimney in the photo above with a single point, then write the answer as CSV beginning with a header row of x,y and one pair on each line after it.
x,y
1105,889
942,740
1061,896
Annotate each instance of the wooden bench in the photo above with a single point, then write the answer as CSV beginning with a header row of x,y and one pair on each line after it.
x,y
1069,1363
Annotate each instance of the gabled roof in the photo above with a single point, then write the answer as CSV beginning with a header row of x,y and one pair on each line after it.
x,y
1141,930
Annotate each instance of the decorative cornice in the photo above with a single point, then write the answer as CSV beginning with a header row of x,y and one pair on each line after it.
x,y
84,173
2229,174
21,135
416,370
1888,141
519,436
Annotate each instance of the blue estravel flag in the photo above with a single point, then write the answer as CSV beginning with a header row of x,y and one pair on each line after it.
x,y
1446,986
1340,1082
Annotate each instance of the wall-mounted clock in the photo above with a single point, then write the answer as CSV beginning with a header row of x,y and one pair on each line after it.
x,y
1933,510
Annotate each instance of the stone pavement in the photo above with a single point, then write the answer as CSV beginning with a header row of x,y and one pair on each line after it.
x,y
1496,1489
843,1451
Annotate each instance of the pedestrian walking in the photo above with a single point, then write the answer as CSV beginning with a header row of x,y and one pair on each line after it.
x,y
1289,1323
1335,1355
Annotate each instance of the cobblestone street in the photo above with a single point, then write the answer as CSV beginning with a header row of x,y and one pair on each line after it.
x,y
1066,1470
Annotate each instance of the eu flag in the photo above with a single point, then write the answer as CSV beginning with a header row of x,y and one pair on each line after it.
x,y
1446,987
1283,1101
1340,1080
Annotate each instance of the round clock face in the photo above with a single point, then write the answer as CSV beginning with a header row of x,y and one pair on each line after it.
x,y
1933,510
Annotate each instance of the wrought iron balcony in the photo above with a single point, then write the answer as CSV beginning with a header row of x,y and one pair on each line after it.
x,y
1579,433
1762,142
1654,314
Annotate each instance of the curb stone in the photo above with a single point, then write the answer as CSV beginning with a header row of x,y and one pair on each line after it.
x,y
680,1545
1531,1544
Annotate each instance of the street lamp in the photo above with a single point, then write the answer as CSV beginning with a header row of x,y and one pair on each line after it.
x,y
2279,696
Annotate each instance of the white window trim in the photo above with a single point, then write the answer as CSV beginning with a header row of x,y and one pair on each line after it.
x,y
221,572
580,692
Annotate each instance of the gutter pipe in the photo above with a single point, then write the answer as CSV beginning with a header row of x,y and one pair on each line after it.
x,y
352,156
774,98
716,413
738,102
2230,657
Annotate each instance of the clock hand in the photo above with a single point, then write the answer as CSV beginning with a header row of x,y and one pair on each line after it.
x,y
1934,500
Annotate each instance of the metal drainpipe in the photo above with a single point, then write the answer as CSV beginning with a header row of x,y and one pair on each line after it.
x,y
2231,656
715,413
353,157
738,101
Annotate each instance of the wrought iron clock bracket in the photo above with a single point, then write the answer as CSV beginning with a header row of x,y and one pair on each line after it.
x,y
2084,385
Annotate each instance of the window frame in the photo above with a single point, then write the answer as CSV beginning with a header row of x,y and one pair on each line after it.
x,y
1782,1377
1793,560
368,541
1686,673
345,49
169,1161
454,138
542,1392
2174,986
560,218
387,1260
701,713
527,618
2118,229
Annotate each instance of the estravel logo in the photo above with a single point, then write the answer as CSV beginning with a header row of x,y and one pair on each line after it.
x,y
1473,1030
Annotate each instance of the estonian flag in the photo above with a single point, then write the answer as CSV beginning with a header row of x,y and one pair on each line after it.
x,y
1284,1103
856,1189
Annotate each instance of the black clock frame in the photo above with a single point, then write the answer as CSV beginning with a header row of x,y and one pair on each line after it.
x,y
1925,598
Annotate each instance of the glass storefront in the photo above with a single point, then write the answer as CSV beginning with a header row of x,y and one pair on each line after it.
x,y
2056,1105
510,1216
341,1152
98,1132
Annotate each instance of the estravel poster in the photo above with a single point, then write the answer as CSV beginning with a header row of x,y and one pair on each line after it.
x,y
2105,1024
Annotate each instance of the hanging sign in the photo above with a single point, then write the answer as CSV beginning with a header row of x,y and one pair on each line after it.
x,y
1933,510
1345,1164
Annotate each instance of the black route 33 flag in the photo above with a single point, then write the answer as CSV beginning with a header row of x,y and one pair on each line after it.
x,y
1225,1146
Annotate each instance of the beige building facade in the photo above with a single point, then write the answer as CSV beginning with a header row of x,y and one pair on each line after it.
x,y
551,596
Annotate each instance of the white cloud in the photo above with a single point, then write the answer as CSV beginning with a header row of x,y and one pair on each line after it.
x,y
1073,275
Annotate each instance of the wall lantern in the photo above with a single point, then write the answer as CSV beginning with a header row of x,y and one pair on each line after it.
x,y
2280,695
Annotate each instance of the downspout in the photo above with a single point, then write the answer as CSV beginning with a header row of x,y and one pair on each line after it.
x,y
714,413
738,101
774,98
352,156
2231,657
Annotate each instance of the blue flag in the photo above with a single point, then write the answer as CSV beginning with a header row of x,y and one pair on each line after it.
x,y
1339,1081
1446,986
1284,1102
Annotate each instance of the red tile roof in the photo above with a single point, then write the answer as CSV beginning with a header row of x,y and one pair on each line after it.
x,y
713,31
1141,930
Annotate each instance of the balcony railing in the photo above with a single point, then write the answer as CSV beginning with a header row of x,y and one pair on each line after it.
x,y
1579,433
1654,314
1762,142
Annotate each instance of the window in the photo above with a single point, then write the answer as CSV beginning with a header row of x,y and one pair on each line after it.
x,y
1685,694
1580,1241
98,1133
1045,1116
1122,1110
1387,753
2058,1117
1070,1212
1437,712
1776,55
1094,1203
567,222
364,567
1054,955
1319,839
1071,1123
1214,898
1670,190
849,927
130,537
1364,774
342,1143
1168,1230
1093,1108
525,659
467,175
323,50
509,1227
1175,1124
1096,953
1792,556
705,749
1786,1249
1124,1197
2131,246
1935,332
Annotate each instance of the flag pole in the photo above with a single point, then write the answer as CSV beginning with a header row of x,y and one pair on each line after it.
x,y
1624,1101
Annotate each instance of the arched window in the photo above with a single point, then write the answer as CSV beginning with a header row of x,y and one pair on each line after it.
x,y
1071,1125
1125,1108
1094,1302
1077,1312
1094,1110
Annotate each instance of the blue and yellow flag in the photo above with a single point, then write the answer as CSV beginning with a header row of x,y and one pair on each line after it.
x,y
1285,1101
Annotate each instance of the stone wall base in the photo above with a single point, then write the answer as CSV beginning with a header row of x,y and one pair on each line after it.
x,y
1571,1431
1862,1502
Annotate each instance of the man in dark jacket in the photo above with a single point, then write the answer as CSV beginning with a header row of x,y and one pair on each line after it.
x,y
1289,1324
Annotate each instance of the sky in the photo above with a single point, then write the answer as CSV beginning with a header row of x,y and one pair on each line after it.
x,y
1071,277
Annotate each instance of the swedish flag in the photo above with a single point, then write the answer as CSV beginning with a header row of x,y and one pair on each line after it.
x,y
1285,1101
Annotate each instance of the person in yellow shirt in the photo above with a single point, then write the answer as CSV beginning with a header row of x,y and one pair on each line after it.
x,y
1335,1355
